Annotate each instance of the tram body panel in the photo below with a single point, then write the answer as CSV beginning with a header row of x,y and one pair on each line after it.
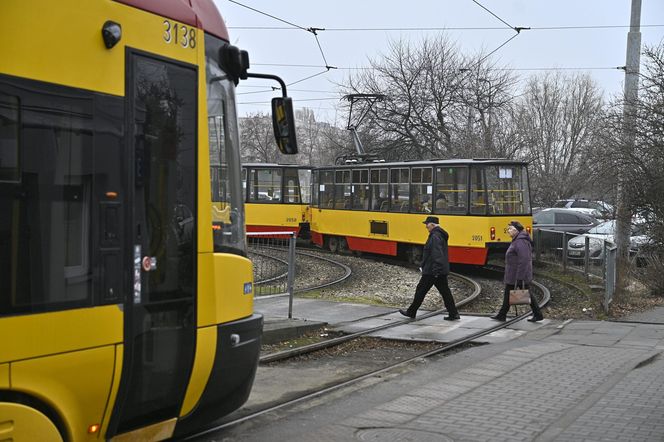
x,y
469,241
100,69
27,424
75,384
4,375
60,332
271,217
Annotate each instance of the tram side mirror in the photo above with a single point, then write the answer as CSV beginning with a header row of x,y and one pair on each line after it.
x,y
283,123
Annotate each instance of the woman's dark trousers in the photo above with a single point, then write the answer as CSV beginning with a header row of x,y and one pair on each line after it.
x,y
423,287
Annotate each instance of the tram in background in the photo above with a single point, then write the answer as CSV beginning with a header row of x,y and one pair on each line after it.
x,y
126,299
277,197
377,207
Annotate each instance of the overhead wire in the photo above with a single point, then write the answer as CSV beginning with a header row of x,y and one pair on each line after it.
x,y
312,30
327,67
442,28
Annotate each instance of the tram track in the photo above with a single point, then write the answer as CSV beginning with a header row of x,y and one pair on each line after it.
x,y
544,299
276,356
346,270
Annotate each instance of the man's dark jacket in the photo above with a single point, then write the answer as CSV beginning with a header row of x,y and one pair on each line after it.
x,y
434,258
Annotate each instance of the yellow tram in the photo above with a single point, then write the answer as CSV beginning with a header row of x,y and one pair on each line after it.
x,y
379,207
277,197
123,314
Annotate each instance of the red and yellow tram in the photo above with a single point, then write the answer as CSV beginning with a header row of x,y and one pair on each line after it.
x,y
379,207
123,314
278,197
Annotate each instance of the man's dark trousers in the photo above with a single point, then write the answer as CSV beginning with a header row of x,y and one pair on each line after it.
x,y
423,287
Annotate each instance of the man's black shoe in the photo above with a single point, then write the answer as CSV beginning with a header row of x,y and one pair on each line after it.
x,y
535,318
451,318
499,318
405,313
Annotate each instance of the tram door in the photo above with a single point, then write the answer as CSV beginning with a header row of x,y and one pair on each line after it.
x,y
160,317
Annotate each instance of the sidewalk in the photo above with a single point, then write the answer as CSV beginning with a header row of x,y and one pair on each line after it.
x,y
557,381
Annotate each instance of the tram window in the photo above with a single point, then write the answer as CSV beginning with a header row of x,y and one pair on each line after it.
x,y
46,178
451,190
291,186
342,189
265,186
478,197
305,185
379,190
9,153
360,189
399,189
421,190
326,189
506,192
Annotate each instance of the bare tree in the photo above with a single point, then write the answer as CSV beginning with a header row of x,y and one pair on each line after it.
x,y
560,117
486,129
439,103
421,84
257,139
644,165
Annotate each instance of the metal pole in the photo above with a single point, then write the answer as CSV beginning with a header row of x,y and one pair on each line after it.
x,y
586,258
623,212
564,251
291,273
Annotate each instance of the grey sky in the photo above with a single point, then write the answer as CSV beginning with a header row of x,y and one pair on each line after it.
x,y
269,49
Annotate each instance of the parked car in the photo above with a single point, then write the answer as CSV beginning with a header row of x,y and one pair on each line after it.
x,y
563,220
596,237
551,224
596,209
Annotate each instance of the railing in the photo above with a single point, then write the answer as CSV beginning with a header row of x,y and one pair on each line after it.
x,y
273,256
552,247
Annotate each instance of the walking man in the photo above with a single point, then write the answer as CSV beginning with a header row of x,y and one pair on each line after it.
x,y
435,268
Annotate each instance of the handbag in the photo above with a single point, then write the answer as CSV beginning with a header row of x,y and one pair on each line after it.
x,y
519,296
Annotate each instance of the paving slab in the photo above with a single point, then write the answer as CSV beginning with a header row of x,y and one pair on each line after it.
x,y
550,381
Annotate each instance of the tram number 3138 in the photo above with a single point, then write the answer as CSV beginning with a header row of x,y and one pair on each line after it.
x,y
179,34
477,237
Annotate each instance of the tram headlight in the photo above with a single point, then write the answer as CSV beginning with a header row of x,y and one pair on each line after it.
x,y
493,233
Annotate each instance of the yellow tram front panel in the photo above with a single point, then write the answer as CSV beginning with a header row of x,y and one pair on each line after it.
x,y
270,217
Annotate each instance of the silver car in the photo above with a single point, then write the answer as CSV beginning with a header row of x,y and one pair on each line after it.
x,y
596,238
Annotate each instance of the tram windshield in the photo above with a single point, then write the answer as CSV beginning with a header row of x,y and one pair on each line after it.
x,y
507,189
225,171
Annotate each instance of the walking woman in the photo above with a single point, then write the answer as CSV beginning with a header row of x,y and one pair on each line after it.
x,y
518,270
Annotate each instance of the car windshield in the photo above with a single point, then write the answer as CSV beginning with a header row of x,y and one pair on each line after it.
x,y
605,228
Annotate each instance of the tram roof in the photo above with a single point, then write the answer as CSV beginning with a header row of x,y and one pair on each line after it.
x,y
434,162
275,166
202,14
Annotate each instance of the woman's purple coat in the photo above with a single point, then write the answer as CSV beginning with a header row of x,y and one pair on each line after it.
x,y
519,260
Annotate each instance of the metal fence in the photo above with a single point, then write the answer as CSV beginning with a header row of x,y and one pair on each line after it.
x,y
273,257
598,265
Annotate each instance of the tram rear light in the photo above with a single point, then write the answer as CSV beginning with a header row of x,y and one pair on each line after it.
x,y
528,229
111,195
493,233
92,429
